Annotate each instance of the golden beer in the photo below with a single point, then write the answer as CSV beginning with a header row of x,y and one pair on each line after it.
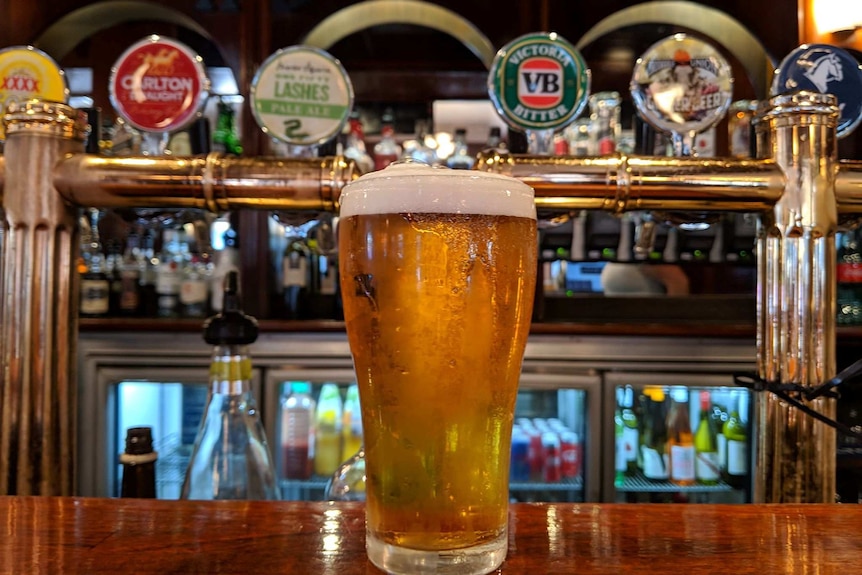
x,y
437,277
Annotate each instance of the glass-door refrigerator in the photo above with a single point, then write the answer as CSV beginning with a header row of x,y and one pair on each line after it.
x,y
676,437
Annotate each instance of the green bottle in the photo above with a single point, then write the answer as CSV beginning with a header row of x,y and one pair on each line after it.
x,y
736,436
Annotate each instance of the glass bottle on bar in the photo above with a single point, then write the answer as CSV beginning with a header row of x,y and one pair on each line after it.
x,y
656,463
707,468
387,149
231,458
680,442
631,433
139,464
95,283
169,275
736,434
297,432
460,158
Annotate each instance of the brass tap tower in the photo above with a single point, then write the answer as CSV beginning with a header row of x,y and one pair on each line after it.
x,y
797,186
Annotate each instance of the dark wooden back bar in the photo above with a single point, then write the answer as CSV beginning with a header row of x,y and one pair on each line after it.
x,y
60,535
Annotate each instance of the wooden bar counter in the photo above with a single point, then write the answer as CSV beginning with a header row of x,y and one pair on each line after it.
x,y
126,536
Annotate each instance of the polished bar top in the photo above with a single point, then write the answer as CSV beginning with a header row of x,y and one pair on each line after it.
x,y
94,536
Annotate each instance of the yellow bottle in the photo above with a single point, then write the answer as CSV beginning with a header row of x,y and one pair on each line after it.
x,y
351,428
328,421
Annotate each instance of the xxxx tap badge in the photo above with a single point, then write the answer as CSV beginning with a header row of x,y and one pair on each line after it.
x,y
302,96
682,85
158,85
27,73
828,70
539,82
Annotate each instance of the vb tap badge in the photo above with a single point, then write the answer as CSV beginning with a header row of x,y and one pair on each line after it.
x,y
539,82
682,85
27,73
828,70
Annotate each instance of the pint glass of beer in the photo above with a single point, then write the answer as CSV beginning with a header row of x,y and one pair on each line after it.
x,y
437,277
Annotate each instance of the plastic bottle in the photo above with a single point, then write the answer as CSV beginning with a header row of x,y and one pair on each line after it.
x,y
230,458
327,424
297,432
351,427
139,464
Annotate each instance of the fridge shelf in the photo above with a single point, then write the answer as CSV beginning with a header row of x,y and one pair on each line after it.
x,y
313,482
640,484
575,484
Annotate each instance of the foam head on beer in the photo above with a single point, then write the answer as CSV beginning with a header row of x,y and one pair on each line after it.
x,y
405,187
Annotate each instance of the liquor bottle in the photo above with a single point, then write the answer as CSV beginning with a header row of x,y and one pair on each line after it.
x,y
226,260
95,284
605,121
656,464
737,446
494,140
113,268
849,280
327,430
680,443
230,458
139,464
707,468
131,267
194,288
297,432
149,303
169,275
387,149
631,438
354,146
295,274
351,426
460,158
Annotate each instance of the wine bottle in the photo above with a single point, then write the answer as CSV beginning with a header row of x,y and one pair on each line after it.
x,y
619,447
655,456
630,432
737,446
707,469
680,441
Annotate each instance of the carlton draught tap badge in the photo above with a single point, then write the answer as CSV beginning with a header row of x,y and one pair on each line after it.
x,y
158,85
301,95
27,73
682,85
539,82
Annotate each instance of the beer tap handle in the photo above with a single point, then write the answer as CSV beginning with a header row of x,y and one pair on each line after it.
x,y
645,230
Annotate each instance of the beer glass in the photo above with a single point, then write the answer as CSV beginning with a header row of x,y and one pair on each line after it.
x,y
437,278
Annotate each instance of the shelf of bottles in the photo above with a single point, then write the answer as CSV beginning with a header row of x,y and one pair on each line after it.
x,y
676,439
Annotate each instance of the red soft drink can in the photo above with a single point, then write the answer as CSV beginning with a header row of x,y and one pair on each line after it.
x,y
570,460
552,469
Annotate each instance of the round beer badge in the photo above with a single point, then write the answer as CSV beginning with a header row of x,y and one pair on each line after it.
x,y
539,82
302,96
828,70
682,85
158,85
27,73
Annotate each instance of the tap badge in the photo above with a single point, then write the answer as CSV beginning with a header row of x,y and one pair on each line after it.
x,y
828,70
539,82
302,96
27,73
682,85
158,85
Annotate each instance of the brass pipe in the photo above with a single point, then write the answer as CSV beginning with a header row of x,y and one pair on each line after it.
x,y
620,183
38,304
848,190
215,182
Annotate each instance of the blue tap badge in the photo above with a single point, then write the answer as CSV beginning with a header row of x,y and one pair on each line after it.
x,y
828,70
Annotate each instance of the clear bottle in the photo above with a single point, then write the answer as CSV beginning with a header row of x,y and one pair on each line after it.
x,y
95,283
297,432
707,467
460,158
226,260
680,441
327,429
194,288
230,458
139,464
351,426
348,481
737,445
387,149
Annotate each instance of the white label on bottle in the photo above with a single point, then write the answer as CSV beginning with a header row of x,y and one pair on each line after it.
x,y
168,281
193,291
707,466
721,440
295,270
737,457
94,296
620,458
682,462
328,278
630,443
655,463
